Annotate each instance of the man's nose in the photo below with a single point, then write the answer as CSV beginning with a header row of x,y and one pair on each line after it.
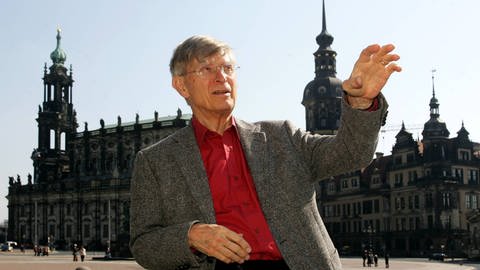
x,y
220,74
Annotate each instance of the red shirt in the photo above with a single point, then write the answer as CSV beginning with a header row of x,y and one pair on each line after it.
x,y
233,192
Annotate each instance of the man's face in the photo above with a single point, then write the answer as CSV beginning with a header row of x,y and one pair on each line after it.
x,y
209,90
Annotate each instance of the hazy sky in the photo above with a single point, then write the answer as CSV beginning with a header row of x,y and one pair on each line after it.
x,y
120,51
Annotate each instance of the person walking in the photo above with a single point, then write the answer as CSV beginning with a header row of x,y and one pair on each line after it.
x,y
82,252
75,252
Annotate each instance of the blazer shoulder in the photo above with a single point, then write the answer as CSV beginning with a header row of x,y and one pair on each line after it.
x,y
169,141
265,126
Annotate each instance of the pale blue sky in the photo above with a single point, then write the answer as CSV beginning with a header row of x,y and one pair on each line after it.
x,y
120,52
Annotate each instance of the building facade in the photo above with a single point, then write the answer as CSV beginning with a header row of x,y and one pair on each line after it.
x,y
80,188
422,198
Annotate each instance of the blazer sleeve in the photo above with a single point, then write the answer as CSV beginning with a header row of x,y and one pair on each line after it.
x,y
350,149
154,244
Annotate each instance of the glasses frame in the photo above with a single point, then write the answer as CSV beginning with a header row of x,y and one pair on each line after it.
x,y
209,71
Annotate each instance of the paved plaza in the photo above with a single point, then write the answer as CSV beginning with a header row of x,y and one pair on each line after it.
x,y
63,261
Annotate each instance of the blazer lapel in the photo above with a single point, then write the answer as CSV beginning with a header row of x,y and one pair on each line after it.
x,y
254,148
191,164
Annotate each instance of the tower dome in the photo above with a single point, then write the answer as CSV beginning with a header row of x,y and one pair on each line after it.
x,y
58,56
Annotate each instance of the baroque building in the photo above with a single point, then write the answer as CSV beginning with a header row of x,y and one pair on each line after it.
x,y
422,198
80,189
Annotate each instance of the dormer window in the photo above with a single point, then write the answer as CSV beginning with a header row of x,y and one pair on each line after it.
x,y
464,154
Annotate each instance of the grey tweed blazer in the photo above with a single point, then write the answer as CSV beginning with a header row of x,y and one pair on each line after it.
x,y
170,191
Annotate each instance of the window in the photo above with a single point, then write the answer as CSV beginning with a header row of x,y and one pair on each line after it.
x,y
367,207
446,198
86,230
430,221
105,208
398,179
62,141
410,157
331,187
344,183
52,139
412,176
354,182
376,179
458,173
471,201
474,176
429,200
51,229
68,230
464,154
416,202
376,206
397,203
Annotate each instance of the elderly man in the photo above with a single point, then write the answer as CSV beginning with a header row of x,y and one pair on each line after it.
x,y
226,194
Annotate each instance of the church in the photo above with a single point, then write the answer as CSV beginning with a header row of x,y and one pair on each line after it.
x,y
424,197
79,191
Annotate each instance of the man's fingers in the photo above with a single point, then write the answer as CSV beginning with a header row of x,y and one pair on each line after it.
x,y
240,241
383,54
392,67
366,53
219,242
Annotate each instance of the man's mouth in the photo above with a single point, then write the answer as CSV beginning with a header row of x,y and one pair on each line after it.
x,y
221,92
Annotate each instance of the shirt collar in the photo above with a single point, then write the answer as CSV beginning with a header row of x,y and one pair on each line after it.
x,y
201,131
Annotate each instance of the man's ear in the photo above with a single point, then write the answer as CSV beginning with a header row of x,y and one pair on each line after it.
x,y
179,85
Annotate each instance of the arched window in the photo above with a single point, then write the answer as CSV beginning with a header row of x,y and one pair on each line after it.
x,y
62,141
52,139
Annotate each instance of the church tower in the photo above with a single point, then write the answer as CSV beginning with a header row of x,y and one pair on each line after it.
x,y
435,134
56,121
322,96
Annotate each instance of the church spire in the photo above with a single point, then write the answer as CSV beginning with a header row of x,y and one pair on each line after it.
x,y
324,39
435,127
434,105
322,96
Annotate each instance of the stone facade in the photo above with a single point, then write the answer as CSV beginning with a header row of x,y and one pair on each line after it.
x,y
80,190
422,198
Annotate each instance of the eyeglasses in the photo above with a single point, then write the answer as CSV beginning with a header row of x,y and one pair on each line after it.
x,y
209,71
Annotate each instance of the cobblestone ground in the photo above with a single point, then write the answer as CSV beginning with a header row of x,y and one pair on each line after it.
x,y
63,261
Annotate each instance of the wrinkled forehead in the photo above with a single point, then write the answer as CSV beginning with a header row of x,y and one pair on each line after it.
x,y
220,57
